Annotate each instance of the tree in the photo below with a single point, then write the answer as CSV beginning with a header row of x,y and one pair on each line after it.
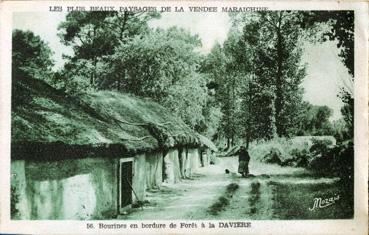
x,y
31,57
257,75
218,66
149,64
342,30
162,65
286,70
213,67
118,51
95,35
314,120
273,72
187,99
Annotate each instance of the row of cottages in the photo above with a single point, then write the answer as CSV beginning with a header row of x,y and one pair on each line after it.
x,y
93,157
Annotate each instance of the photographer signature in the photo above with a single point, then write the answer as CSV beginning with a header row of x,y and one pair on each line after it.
x,y
324,202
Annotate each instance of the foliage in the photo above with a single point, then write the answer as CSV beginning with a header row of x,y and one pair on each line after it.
x,y
297,151
348,112
157,64
31,57
314,120
162,65
94,35
260,148
276,68
342,31
320,146
224,84
74,77
149,64
336,160
247,88
341,131
273,157
300,158
257,74
85,32
187,98
211,123
322,156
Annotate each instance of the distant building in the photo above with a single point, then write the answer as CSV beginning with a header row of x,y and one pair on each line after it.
x,y
93,157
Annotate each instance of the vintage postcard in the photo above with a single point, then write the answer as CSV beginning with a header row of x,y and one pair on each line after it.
x,y
183,117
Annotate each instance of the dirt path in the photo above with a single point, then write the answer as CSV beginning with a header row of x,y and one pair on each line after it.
x,y
273,193
283,193
189,197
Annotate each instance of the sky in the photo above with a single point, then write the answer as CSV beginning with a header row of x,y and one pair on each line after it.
x,y
211,28
325,71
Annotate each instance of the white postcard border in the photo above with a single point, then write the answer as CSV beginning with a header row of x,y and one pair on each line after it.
x,y
358,225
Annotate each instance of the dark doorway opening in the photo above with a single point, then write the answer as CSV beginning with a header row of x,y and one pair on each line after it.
x,y
125,183
180,158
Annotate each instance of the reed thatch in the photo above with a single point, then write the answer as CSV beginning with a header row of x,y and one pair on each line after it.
x,y
207,143
42,114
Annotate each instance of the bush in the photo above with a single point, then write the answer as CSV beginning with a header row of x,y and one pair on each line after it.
x,y
300,158
274,157
333,160
302,151
321,146
343,161
258,150
322,154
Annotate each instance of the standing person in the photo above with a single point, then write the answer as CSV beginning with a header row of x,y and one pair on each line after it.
x,y
243,161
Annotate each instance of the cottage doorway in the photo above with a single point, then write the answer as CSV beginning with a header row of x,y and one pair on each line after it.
x,y
163,175
125,183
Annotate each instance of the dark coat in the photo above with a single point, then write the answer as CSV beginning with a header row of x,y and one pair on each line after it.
x,y
243,155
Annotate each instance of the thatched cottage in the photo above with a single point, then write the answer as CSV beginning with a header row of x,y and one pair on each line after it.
x,y
92,157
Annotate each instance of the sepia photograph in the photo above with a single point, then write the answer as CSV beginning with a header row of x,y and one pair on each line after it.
x,y
152,114
147,115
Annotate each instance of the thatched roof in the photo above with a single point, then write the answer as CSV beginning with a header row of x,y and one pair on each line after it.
x,y
42,114
207,143
147,118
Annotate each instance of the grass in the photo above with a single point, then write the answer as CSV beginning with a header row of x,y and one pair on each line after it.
x,y
231,188
219,205
223,201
